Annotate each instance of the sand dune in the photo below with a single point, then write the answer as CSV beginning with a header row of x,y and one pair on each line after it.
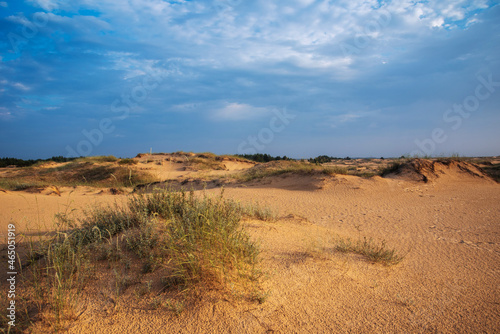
x,y
445,219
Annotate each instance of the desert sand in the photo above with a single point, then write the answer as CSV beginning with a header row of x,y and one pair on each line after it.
x,y
448,229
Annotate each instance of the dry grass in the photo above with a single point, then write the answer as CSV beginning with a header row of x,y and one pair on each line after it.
x,y
99,158
193,243
76,173
288,167
391,168
127,161
374,252
206,162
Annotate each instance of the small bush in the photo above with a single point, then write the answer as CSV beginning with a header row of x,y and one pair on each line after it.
x,y
368,248
259,212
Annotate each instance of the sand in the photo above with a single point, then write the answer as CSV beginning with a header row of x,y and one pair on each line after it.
x,y
447,228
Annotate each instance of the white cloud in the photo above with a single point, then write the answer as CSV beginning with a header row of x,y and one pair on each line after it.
x,y
4,4
437,22
301,33
239,112
20,86
48,5
131,64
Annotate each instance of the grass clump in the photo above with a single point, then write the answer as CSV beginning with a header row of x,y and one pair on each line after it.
x,y
378,253
203,241
256,211
194,242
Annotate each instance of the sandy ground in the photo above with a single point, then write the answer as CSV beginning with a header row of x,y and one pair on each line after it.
x,y
448,282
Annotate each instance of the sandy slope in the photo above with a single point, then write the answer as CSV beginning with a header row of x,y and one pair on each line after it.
x,y
448,282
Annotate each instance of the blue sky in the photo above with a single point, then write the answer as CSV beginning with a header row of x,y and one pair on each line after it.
x,y
298,78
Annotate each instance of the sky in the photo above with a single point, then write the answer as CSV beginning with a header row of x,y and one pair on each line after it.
x,y
301,78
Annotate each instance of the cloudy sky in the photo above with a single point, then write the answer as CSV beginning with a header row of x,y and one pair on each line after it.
x,y
294,77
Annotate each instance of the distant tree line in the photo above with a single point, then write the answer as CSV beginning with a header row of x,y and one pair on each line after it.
x,y
321,159
259,157
4,162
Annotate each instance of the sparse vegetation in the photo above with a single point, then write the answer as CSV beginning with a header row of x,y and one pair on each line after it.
x,y
493,170
74,173
127,161
5,162
18,184
374,252
392,168
99,158
294,167
206,162
194,242
259,212
365,174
